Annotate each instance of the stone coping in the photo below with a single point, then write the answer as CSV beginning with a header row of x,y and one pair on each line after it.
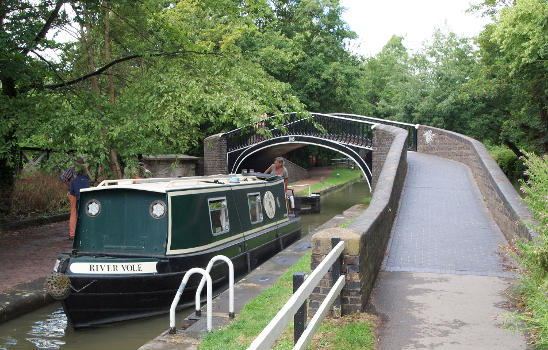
x,y
367,237
386,183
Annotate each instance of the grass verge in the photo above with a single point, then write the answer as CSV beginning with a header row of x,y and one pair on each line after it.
x,y
349,332
338,176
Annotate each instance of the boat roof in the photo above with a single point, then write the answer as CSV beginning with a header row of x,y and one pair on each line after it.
x,y
164,185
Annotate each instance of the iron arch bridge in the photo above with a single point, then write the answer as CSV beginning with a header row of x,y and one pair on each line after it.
x,y
350,135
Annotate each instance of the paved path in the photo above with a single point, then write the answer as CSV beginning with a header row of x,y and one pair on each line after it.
x,y
30,253
442,283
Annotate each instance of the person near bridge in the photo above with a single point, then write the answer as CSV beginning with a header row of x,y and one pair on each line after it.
x,y
279,169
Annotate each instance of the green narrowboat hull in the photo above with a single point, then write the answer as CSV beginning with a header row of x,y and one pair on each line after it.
x,y
133,246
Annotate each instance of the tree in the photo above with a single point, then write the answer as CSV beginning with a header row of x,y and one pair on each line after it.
x,y
23,29
303,43
514,53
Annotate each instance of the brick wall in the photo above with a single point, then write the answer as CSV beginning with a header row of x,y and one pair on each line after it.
x,y
367,237
500,196
215,155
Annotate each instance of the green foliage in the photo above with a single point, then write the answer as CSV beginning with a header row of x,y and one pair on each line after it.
x,y
507,160
302,43
533,255
513,79
349,332
536,189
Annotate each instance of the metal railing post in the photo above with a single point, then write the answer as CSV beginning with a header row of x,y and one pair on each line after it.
x,y
335,274
172,328
230,285
299,319
415,138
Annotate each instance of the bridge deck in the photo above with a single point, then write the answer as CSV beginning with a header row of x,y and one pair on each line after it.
x,y
442,282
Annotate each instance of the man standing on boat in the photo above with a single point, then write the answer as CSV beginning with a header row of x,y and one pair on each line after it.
x,y
279,169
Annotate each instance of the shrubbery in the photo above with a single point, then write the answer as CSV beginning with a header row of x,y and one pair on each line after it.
x,y
39,193
533,255
507,160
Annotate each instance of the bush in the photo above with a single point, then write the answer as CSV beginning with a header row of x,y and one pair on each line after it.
x,y
39,193
507,160
533,255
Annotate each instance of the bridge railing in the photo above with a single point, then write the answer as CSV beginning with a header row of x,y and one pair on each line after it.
x,y
350,131
411,128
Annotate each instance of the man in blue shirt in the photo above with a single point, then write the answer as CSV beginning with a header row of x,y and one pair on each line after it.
x,y
76,184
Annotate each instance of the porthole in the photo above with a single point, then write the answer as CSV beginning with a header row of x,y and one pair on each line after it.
x,y
93,208
158,209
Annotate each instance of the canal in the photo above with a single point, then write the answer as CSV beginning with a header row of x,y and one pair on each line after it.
x,y
47,327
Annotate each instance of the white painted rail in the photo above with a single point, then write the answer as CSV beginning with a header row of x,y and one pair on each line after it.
x,y
172,328
316,321
302,185
230,284
276,326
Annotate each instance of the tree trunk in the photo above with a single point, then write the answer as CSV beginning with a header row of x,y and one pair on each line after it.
x,y
7,162
113,159
114,165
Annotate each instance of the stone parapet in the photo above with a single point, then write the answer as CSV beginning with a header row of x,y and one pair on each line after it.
x,y
215,148
367,237
501,198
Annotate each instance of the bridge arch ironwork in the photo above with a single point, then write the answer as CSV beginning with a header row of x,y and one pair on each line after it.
x,y
411,128
306,140
350,136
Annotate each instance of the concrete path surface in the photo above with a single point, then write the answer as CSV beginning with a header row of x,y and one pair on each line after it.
x,y
442,284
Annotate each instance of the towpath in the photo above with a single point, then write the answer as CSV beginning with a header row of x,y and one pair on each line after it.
x,y
315,175
442,284
29,254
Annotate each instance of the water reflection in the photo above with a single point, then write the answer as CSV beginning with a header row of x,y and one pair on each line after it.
x,y
47,334
47,327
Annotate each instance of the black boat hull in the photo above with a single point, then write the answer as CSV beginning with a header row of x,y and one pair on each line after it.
x,y
102,299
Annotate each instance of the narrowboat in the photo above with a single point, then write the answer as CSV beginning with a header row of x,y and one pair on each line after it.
x,y
135,239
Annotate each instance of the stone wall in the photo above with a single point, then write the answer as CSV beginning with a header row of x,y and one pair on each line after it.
x,y
215,155
295,171
366,238
500,196
162,165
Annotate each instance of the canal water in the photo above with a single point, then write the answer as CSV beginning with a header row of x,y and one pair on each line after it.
x,y
47,327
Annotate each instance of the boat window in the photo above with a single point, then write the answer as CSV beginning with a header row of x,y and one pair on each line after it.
x,y
218,214
255,207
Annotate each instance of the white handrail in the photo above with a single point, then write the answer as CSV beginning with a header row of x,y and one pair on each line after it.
x,y
302,185
316,321
276,326
230,284
172,328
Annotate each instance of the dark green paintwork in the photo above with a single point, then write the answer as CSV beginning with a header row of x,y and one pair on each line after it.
x,y
191,225
124,224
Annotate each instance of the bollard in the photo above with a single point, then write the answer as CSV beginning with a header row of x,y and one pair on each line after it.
x,y
335,274
299,319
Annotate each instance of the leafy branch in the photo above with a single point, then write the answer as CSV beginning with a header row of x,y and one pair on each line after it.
x,y
124,59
